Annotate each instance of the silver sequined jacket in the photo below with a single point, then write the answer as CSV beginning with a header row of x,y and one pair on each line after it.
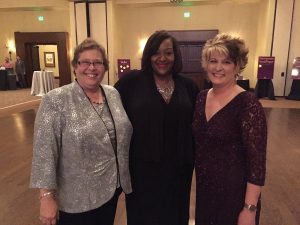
x,y
72,152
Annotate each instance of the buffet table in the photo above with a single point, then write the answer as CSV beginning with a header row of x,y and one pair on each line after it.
x,y
264,88
3,80
8,81
42,82
295,90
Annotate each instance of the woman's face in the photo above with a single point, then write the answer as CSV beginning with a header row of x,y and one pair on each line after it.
x,y
221,70
90,69
163,60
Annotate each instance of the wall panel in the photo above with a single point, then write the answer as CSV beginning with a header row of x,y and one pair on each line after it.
x,y
281,42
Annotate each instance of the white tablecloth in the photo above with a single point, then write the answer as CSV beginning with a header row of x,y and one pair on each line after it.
x,y
42,82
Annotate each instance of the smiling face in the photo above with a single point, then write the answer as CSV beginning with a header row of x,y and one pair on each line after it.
x,y
221,70
89,69
163,60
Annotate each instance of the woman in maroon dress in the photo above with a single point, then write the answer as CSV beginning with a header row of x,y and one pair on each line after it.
x,y
231,136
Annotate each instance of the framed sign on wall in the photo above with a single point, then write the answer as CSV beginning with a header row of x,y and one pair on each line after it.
x,y
49,58
123,67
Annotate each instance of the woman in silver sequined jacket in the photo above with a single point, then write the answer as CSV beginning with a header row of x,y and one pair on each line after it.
x,y
81,142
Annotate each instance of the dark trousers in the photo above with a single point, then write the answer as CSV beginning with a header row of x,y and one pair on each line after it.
x,y
104,215
21,78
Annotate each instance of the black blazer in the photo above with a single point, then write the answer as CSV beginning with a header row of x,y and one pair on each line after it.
x,y
160,130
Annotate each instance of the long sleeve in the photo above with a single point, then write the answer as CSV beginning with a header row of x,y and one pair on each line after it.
x,y
47,139
72,150
254,135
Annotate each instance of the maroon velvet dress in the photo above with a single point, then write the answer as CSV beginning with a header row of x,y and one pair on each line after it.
x,y
230,151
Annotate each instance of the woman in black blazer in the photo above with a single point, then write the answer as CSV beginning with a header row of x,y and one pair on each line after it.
x,y
159,103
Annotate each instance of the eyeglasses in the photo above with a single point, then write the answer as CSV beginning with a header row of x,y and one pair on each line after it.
x,y
86,64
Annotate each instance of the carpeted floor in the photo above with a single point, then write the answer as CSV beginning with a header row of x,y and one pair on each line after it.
x,y
14,97
280,102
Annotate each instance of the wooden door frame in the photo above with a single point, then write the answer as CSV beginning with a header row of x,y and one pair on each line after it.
x,y
61,39
192,37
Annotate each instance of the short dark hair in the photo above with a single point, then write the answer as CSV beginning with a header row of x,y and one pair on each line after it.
x,y
89,44
152,46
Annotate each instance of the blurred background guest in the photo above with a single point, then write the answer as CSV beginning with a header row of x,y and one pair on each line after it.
x,y
20,71
8,65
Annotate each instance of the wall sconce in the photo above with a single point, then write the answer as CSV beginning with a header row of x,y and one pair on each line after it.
x,y
142,43
11,47
9,52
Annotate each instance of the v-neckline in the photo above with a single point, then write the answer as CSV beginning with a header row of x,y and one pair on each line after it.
x,y
221,109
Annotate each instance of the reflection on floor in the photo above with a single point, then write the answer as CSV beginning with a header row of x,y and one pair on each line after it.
x,y
280,198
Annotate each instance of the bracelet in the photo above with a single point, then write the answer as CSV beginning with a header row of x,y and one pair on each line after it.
x,y
46,194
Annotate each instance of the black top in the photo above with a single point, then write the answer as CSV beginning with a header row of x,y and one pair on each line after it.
x,y
160,130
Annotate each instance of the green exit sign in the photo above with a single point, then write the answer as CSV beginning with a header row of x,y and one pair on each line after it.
x,y
41,18
186,14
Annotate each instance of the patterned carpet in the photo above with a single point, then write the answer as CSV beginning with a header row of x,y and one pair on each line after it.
x,y
14,97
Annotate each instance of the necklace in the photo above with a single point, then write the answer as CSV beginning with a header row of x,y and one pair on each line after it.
x,y
97,102
99,111
97,105
167,91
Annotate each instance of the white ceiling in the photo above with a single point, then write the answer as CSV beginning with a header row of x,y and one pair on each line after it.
x,y
185,1
34,5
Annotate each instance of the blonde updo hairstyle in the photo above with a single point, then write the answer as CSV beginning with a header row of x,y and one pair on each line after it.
x,y
233,47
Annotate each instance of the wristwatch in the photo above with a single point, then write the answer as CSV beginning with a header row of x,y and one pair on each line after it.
x,y
251,208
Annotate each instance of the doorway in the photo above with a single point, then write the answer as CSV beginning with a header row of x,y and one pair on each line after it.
x,y
35,56
24,42
191,61
191,43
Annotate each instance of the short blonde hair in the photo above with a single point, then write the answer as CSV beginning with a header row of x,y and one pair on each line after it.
x,y
233,47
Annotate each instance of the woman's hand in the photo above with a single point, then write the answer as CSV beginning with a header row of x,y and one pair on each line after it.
x,y
246,217
48,211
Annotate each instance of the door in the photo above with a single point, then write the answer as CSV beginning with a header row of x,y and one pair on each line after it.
x,y
32,61
35,58
191,60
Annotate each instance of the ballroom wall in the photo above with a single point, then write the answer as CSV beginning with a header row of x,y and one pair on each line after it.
x,y
128,24
295,41
26,21
95,23
251,20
